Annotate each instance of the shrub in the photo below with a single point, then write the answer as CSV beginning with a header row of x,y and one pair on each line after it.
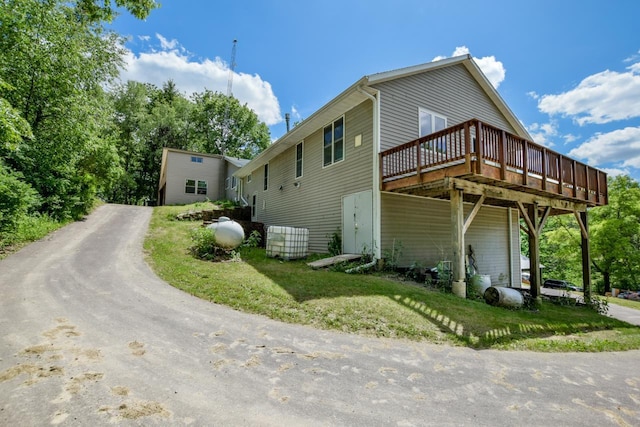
x,y
17,199
204,243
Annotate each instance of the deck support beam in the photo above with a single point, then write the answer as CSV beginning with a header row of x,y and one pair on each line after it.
x,y
582,218
535,224
457,243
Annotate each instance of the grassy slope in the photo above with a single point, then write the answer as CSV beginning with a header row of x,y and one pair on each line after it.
x,y
372,304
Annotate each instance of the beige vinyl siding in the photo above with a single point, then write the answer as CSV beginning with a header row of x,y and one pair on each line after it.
x,y
179,168
231,193
451,92
316,203
422,228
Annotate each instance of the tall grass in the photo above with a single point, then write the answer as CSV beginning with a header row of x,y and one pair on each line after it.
x,y
29,229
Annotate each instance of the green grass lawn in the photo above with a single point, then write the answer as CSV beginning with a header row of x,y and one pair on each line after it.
x,y
373,304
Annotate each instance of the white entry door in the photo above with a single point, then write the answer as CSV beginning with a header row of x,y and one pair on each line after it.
x,y
357,223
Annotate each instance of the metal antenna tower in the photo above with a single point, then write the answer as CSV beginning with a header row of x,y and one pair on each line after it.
x,y
232,67
225,125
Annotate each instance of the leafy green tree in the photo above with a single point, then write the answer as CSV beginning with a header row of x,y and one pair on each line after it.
x,y
615,235
220,125
147,119
56,65
13,128
103,10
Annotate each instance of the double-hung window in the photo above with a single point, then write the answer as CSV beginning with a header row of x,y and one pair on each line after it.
x,y
431,122
202,187
193,186
299,150
190,186
333,149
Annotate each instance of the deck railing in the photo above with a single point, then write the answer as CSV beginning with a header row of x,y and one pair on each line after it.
x,y
476,148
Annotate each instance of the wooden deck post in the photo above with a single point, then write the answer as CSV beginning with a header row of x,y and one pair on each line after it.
x,y
457,243
534,253
534,228
586,254
479,148
503,155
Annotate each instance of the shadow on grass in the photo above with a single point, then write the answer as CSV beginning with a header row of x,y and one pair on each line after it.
x,y
468,322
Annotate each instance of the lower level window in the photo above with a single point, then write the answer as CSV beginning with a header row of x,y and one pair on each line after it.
x,y
195,187
190,186
202,187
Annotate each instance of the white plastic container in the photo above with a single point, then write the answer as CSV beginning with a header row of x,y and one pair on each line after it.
x,y
287,242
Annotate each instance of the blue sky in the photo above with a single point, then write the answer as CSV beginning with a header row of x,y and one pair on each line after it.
x,y
569,70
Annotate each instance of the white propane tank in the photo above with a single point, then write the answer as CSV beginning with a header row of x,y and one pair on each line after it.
x,y
229,234
480,282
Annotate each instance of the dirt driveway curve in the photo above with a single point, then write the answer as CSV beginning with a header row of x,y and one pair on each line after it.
x,y
90,336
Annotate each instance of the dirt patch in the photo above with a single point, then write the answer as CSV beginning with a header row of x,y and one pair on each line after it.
x,y
38,349
218,348
35,372
76,384
137,348
139,409
66,330
120,391
322,355
252,362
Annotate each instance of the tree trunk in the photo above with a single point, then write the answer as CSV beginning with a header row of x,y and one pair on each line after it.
x,y
607,281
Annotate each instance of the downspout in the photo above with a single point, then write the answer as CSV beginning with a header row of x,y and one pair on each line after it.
x,y
376,173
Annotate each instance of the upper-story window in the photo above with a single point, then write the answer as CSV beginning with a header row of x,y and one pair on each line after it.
x,y
197,159
249,177
333,150
431,122
299,150
266,177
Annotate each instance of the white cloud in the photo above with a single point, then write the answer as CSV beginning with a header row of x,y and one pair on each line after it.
x,y
494,70
167,44
620,147
600,98
542,133
613,172
173,62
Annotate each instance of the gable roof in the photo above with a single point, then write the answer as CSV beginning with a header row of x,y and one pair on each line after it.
x,y
357,93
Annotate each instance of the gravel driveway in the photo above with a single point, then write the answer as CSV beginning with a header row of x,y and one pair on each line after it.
x,y
90,336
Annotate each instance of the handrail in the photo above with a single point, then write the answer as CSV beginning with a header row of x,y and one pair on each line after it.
x,y
479,146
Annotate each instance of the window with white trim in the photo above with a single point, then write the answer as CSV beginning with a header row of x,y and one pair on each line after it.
x,y
234,182
196,159
430,122
202,187
193,186
190,186
226,183
299,152
333,148
249,178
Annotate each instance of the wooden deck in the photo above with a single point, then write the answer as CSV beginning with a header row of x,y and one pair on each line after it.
x,y
476,152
